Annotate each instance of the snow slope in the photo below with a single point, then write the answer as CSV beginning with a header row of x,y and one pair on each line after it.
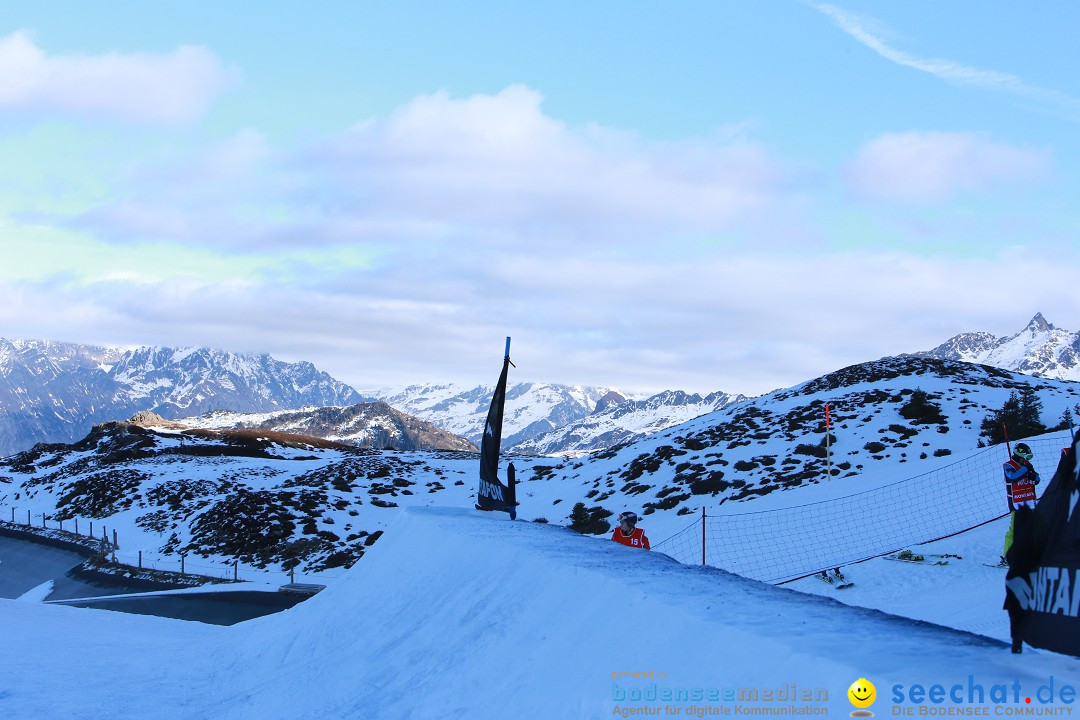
x,y
967,594
459,614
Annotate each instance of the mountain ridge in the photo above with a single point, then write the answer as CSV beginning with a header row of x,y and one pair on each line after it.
x,y
1039,349
55,392
365,425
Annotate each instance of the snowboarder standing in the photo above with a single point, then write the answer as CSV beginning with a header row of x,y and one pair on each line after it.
x,y
1020,482
628,534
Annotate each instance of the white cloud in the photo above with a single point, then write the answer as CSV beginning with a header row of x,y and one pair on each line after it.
x,y
483,169
929,167
159,88
859,28
499,161
746,323
406,248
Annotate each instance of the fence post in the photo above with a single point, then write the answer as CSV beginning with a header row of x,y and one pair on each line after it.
x,y
236,570
27,518
182,563
76,526
115,544
43,516
292,575
702,534
140,559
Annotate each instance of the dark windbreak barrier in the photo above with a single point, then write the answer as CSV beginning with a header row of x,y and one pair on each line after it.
x,y
1044,572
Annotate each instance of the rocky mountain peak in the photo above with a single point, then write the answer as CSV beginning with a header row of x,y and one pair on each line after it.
x,y
1039,349
609,400
1038,325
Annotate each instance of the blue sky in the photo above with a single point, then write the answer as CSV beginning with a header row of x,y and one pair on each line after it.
x,y
702,195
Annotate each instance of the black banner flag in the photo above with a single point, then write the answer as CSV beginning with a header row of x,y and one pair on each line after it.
x,y
493,494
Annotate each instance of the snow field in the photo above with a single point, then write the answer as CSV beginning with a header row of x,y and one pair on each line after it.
x,y
461,614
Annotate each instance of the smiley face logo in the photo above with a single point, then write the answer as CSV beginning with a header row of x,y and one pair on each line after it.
x,y
862,693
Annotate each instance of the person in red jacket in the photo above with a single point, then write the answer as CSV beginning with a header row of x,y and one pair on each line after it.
x,y
1020,482
1020,478
629,535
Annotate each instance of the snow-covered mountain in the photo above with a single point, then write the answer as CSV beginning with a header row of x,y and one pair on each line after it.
x,y
1039,349
532,409
622,422
366,425
218,493
55,392
546,419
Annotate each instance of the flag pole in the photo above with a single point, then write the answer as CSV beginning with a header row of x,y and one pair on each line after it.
x,y
828,452
702,534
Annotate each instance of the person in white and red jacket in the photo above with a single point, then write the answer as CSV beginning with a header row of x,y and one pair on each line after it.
x,y
628,534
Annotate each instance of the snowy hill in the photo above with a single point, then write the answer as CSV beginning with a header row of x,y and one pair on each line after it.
x,y
461,615
55,392
254,495
776,442
1039,349
365,425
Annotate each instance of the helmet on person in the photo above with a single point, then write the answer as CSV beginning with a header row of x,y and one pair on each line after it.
x,y
1022,452
628,517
